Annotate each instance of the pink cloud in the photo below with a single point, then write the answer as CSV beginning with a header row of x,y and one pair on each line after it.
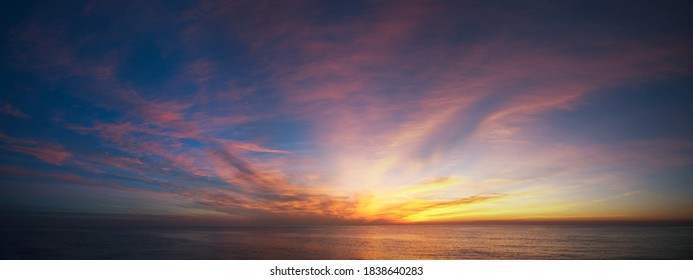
x,y
251,147
379,109
49,152
12,111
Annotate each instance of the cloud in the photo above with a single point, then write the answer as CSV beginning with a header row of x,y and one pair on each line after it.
x,y
254,147
49,152
12,111
442,209
378,129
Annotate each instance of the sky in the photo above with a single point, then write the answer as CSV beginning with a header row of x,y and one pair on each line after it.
x,y
345,112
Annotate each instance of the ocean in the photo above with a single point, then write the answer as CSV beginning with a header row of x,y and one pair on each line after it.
x,y
352,242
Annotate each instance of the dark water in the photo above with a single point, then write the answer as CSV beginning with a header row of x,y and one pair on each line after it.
x,y
353,242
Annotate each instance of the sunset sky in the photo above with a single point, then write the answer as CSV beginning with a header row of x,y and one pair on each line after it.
x,y
345,112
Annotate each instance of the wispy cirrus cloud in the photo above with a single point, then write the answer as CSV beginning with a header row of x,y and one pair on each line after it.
x,y
12,111
50,152
372,124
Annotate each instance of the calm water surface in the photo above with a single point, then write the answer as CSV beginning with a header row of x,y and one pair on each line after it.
x,y
353,242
